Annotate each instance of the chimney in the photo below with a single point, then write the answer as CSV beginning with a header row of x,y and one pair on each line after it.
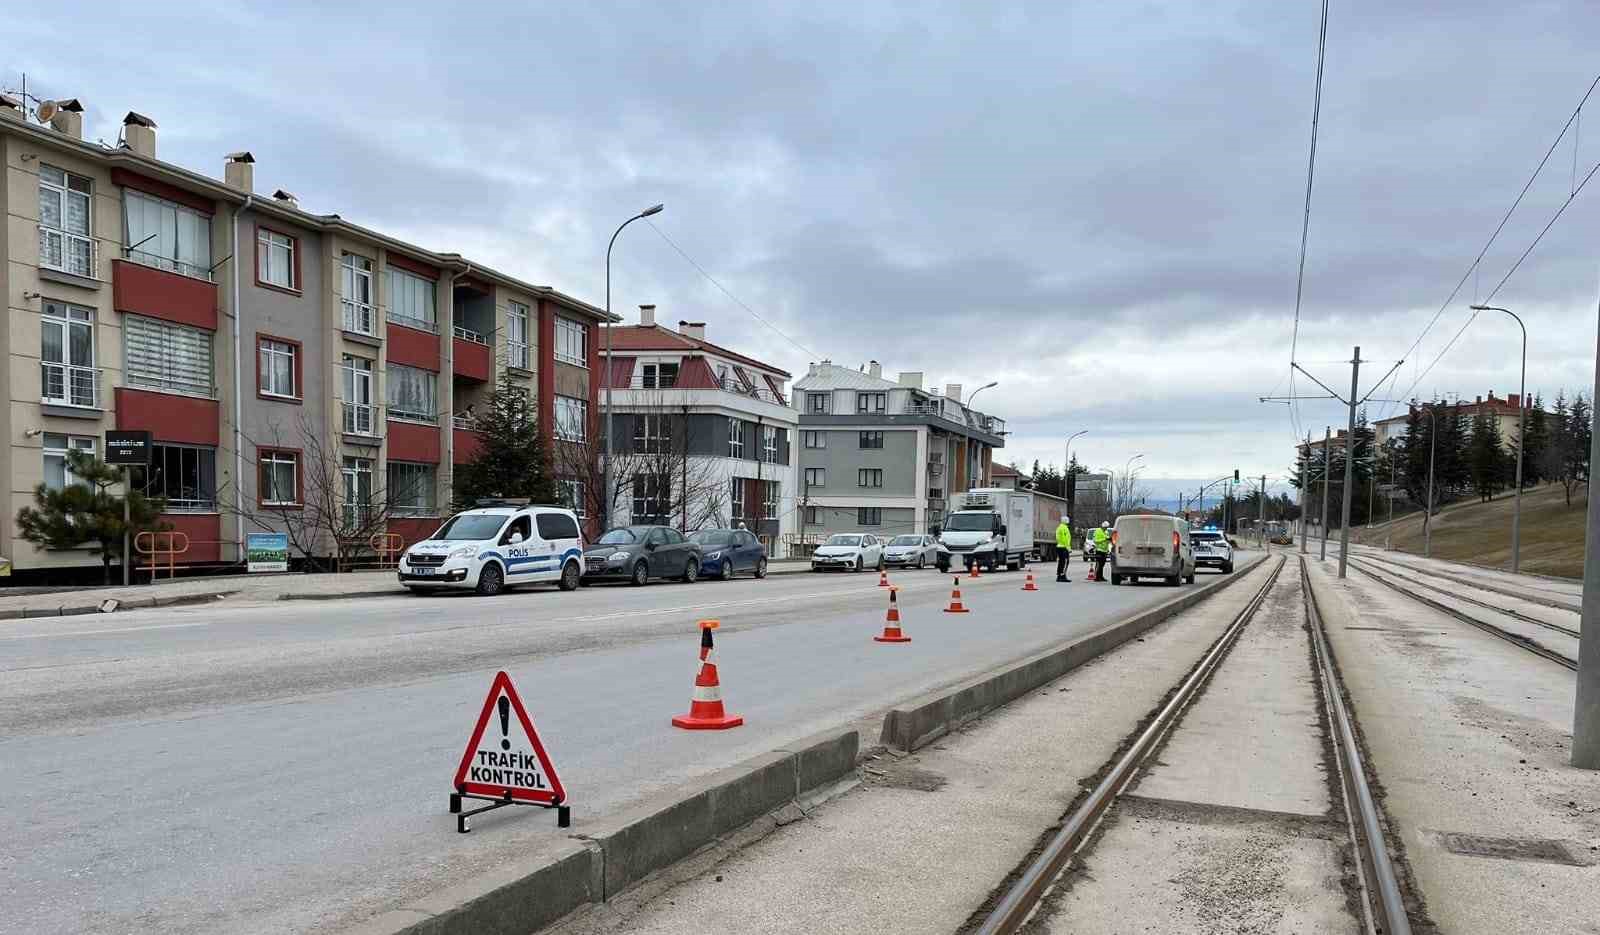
x,y
139,134
647,316
240,171
10,107
692,329
1515,399
811,369
875,369
1480,400
911,378
287,198
68,119
953,390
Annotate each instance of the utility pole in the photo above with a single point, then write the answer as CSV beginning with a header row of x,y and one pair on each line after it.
x,y
1349,463
1261,526
1586,708
1327,443
1305,481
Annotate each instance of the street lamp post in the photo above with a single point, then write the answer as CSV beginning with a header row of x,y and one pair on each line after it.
x,y
1522,407
1127,474
605,404
1427,515
970,397
1066,465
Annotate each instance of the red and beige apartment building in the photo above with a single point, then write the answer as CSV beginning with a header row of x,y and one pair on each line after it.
x,y
248,336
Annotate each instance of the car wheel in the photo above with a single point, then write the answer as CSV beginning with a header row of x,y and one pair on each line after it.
x,y
491,580
922,562
1189,579
691,571
761,568
1116,579
726,571
570,576
881,564
859,566
641,574
420,592
1227,568
1172,581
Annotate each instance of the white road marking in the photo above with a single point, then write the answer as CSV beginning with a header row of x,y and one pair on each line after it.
x,y
157,626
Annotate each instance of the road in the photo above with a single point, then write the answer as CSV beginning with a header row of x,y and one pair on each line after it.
x,y
275,768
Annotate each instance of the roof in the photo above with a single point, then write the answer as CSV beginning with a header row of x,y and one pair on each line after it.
x,y
658,338
830,376
1002,470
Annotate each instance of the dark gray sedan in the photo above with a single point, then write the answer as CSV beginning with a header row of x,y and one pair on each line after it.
x,y
638,553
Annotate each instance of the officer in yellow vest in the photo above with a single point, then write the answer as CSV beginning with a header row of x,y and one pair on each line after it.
x,y
1102,550
1063,548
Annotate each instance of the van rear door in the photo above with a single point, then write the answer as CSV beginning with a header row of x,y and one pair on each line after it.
x,y
1144,541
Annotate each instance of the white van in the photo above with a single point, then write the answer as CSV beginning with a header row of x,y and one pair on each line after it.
x,y
1147,546
491,547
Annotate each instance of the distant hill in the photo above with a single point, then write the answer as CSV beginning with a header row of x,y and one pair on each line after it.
x,y
1480,533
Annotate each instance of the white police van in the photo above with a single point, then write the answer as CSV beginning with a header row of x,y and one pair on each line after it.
x,y
496,545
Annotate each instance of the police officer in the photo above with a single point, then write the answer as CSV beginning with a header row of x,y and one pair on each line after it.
x,y
1063,548
1102,550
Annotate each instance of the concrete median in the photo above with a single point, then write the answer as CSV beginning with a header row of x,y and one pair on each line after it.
x,y
917,722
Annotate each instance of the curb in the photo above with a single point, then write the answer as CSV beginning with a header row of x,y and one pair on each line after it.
x,y
604,859
914,724
395,591
138,603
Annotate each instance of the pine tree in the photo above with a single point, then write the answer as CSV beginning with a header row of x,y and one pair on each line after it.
x,y
1486,460
512,461
86,512
1579,434
1536,435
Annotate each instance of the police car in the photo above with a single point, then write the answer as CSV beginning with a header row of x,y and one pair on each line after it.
x,y
494,546
1211,549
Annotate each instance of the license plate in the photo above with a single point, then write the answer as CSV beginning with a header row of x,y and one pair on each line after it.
x,y
1149,549
423,571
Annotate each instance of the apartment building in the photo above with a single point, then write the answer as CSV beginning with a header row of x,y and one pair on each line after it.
x,y
1503,409
885,455
273,353
703,435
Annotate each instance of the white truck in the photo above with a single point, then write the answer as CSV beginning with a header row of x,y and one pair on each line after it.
x,y
988,526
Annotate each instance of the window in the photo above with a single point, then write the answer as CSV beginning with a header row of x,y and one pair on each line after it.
x,y
722,376
411,489
869,516
869,477
57,472
819,402
735,438
572,418
659,376
275,259
517,336
280,477
411,301
357,377
871,439
66,356
816,477
652,495
813,516
355,291
167,235
572,496
357,474
412,393
871,402
769,444
815,439
554,526
278,370
769,500
183,475
64,239
521,527
651,433
170,358
736,499
572,342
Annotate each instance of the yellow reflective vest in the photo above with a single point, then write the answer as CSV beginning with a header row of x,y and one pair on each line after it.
x,y
1102,539
1064,536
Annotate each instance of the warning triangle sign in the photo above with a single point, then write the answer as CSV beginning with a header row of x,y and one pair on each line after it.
x,y
504,756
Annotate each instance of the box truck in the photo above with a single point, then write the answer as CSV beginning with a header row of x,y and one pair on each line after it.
x,y
992,527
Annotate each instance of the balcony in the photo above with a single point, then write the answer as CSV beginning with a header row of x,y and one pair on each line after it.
x,y
474,359
170,295
420,324
75,387
729,385
359,318
359,419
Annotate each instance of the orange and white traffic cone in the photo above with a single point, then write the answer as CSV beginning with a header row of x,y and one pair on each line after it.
x,y
973,573
1029,585
891,622
955,599
883,577
705,710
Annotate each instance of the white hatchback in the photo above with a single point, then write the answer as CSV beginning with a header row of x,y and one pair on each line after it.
x,y
853,551
489,548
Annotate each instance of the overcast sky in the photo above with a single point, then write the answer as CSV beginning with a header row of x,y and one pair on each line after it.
x,y
1097,205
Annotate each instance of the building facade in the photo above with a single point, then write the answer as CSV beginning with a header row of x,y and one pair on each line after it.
x,y
1504,410
702,435
885,455
284,362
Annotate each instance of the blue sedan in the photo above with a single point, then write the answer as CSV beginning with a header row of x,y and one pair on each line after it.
x,y
728,552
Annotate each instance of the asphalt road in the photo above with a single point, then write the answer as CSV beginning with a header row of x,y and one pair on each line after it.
x,y
279,768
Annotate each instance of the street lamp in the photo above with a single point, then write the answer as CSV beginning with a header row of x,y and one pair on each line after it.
x,y
605,404
1522,407
1127,474
974,394
1427,515
1066,466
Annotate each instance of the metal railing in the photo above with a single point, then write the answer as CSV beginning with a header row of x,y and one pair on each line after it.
x,y
406,415
359,317
359,419
461,422
60,250
467,334
67,385
171,265
730,385
421,324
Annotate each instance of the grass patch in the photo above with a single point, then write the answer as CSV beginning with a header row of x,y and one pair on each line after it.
x,y
1480,533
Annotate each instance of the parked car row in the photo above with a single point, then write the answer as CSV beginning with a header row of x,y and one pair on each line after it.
x,y
496,546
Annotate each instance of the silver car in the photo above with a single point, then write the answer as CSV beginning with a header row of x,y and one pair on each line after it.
x,y
911,551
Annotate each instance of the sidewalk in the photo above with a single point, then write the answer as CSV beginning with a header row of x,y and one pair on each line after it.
x,y
239,589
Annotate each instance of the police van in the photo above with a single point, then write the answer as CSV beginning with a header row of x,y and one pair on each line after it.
x,y
496,545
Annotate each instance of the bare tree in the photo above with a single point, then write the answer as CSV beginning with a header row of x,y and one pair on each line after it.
x,y
1126,491
655,477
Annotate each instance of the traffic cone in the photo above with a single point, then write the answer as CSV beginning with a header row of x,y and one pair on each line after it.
x,y
891,622
1028,585
973,573
705,710
883,577
955,598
